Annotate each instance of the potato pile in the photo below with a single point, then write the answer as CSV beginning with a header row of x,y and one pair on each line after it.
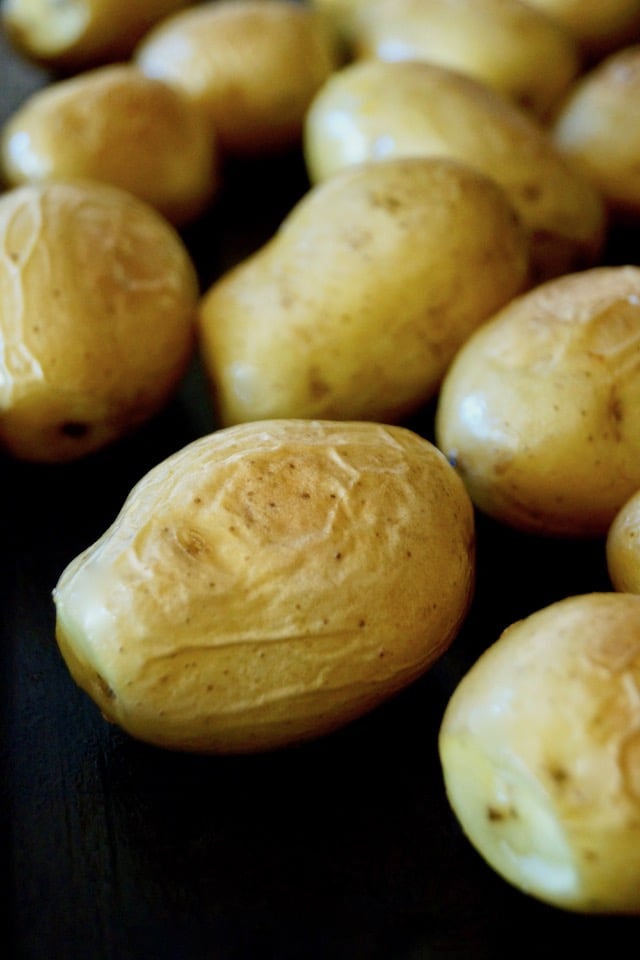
x,y
468,164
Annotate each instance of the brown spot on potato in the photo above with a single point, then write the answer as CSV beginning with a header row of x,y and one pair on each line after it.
x,y
105,689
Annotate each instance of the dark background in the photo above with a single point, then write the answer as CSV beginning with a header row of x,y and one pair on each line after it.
x,y
342,848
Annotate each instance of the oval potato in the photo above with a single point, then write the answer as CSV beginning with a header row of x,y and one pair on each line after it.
x,y
623,546
354,309
540,409
540,751
97,305
268,584
599,26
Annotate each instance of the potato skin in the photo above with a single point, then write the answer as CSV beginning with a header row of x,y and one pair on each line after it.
x,y
116,125
599,26
269,583
540,408
356,306
623,547
97,307
540,753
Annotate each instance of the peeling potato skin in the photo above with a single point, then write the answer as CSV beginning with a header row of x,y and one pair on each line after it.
x,y
539,410
623,547
269,583
551,711
97,307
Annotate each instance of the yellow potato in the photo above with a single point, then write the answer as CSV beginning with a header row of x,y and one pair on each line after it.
x,y
269,583
253,65
520,52
599,26
74,35
374,110
540,751
356,306
623,546
341,16
598,130
115,124
540,409
97,305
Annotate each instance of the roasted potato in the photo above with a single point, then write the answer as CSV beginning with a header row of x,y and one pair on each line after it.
x,y
269,583
540,409
355,307
623,546
540,751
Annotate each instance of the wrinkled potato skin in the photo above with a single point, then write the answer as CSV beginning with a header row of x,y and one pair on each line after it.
x,y
268,584
87,33
97,305
541,754
356,306
623,547
116,125
599,26
540,409
253,65
598,129
374,110
518,51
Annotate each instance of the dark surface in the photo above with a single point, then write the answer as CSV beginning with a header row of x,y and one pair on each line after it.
x,y
343,848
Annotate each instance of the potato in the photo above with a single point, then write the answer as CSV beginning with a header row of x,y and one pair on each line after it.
x,y
269,583
598,130
520,52
253,65
354,309
374,110
623,546
540,410
540,753
599,26
341,16
97,305
116,125
73,35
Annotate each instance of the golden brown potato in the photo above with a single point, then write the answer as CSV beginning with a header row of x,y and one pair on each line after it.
x,y
598,130
599,26
97,304
623,546
253,65
73,35
540,750
373,110
520,52
540,409
116,125
269,583
357,305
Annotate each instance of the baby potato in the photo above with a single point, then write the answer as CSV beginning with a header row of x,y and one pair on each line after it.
x,y
599,26
73,35
115,124
623,546
341,16
520,52
598,130
540,751
354,309
270,583
253,65
97,304
374,110
540,409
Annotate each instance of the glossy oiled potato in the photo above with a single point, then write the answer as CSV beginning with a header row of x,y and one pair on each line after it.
x,y
74,35
520,52
598,130
373,110
97,305
116,125
540,750
269,583
254,66
599,26
356,306
623,546
540,410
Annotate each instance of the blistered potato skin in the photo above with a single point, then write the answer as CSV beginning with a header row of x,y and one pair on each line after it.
x,y
97,305
356,306
116,125
269,583
623,547
540,408
541,754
